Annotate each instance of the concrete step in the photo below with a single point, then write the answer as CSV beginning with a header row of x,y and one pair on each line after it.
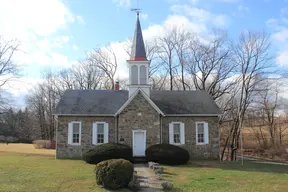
x,y
139,160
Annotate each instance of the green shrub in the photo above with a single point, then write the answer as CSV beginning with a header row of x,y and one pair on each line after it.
x,y
167,154
114,173
108,151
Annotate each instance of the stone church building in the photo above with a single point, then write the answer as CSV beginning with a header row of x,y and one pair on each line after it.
x,y
139,117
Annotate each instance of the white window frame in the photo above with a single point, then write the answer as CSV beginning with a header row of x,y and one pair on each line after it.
x,y
182,133
70,133
95,132
206,132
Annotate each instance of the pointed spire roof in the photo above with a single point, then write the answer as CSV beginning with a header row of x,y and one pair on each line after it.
x,y
138,52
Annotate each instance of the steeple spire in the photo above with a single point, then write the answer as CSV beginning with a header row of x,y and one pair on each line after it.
x,y
138,52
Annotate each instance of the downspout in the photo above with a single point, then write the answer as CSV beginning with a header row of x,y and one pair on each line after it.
x,y
160,117
56,135
116,128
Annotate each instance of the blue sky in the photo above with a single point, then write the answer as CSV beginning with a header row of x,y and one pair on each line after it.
x,y
55,34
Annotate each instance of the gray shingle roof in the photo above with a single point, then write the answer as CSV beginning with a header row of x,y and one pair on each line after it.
x,y
89,102
184,102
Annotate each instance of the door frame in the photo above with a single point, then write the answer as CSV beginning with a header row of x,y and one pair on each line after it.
x,y
138,131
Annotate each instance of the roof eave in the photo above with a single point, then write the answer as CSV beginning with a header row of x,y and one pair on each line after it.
x,y
145,96
193,115
89,115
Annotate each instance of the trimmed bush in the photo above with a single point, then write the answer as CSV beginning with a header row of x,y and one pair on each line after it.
x,y
108,151
114,173
167,154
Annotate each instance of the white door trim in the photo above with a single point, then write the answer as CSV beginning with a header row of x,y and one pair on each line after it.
x,y
139,131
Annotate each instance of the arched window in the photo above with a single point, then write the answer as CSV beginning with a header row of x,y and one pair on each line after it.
x,y
134,75
143,75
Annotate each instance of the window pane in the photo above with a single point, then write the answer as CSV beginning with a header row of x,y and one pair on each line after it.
x,y
200,138
176,128
100,138
134,75
76,127
200,127
176,138
143,75
75,138
100,128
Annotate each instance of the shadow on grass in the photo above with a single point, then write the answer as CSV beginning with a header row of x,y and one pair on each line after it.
x,y
236,166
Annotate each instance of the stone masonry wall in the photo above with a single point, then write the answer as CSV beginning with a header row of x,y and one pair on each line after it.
x,y
63,150
210,150
139,114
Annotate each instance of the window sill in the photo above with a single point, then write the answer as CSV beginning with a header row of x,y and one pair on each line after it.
x,y
75,144
178,144
99,143
201,143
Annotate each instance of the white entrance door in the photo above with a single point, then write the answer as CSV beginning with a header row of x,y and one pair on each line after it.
x,y
139,143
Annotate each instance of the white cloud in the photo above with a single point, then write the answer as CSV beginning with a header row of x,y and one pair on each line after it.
x,y
243,8
282,58
36,24
201,16
194,1
123,3
144,16
280,37
39,17
21,86
80,19
228,1
75,47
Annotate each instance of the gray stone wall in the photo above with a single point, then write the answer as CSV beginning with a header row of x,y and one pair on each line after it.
x,y
210,150
139,114
63,150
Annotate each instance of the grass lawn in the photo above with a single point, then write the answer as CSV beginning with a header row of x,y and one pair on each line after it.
x,y
26,170
22,168
228,176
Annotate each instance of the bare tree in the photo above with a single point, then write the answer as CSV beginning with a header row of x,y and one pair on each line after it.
x,y
269,103
210,64
8,68
183,39
251,55
104,58
87,76
166,52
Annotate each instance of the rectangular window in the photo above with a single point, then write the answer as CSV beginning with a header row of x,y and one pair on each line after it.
x,y
200,133
76,132
176,130
100,133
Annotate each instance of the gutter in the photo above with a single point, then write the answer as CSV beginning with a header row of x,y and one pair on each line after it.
x,y
89,115
161,131
192,115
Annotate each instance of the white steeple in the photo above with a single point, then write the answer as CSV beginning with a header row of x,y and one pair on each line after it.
x,y
138,63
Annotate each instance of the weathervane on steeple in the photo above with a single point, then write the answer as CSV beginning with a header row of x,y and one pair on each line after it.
x,y
137,10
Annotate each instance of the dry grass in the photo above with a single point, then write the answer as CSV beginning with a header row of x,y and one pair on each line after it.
x,y
25,148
